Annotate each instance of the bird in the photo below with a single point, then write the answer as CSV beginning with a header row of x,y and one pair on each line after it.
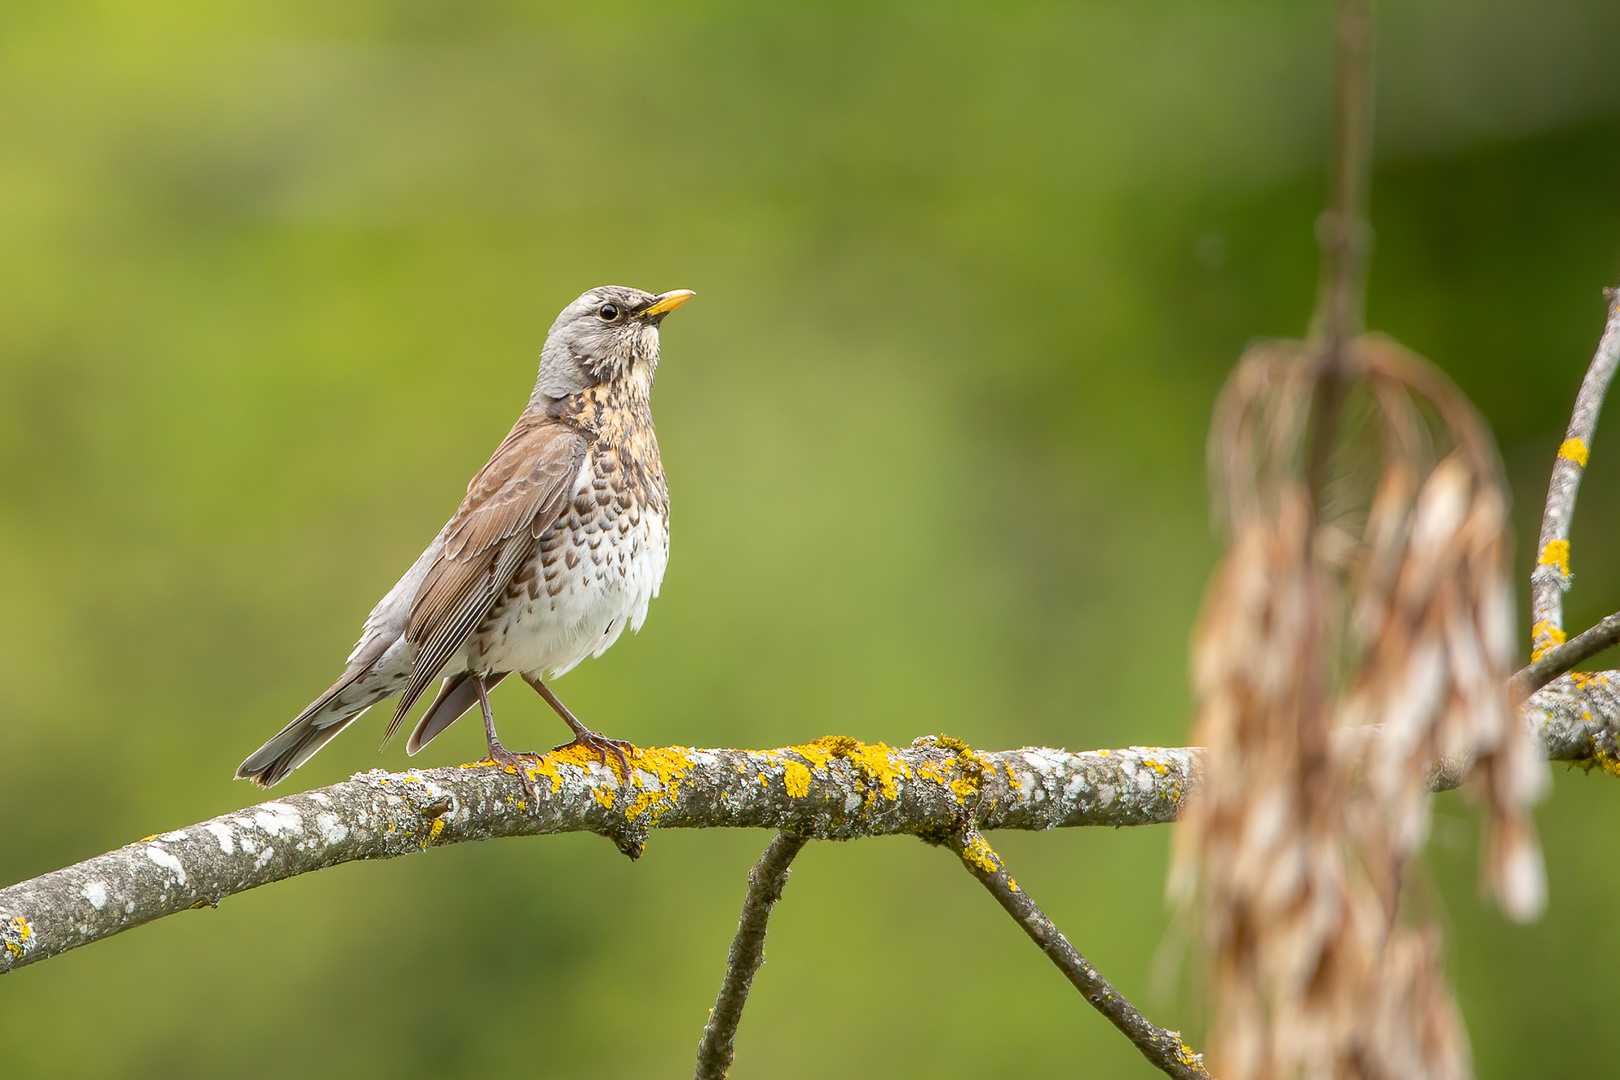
x,y
560,543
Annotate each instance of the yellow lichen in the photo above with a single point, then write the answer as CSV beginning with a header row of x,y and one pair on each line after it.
x,y
603,795
966,775
1574,450
1604,762
982,856
434,830
1556,553
796,778
874,761
668,765
24,932
1544,635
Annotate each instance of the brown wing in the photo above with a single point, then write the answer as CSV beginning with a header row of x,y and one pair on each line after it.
x,y
509,504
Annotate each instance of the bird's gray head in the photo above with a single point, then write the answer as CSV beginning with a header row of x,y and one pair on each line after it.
x,y
609,333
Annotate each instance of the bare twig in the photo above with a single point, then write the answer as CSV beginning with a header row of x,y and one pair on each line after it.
x,y
1342,231
1551,577
765,883
1163,1048
1554,661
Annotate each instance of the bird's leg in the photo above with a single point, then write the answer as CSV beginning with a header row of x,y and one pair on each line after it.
x,y
584,736
499,754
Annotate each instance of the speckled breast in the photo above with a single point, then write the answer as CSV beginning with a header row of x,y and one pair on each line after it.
x,y
596,569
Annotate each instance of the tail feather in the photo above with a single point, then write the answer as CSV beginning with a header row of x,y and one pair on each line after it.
x,y
457,694
341,705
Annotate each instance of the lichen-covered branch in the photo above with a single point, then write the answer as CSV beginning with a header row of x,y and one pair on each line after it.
x,y
1163,1048
765,883
834,788
1557,659
1551,577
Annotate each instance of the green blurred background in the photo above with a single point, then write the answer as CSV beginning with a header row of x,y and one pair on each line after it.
x,y
273,278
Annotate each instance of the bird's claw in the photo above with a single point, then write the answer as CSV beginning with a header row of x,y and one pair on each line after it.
x,y
502,758
601,746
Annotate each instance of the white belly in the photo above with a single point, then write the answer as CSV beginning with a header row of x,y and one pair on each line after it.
x,y
583,610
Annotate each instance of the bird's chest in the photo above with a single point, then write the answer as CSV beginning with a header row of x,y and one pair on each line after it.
x,y
596,569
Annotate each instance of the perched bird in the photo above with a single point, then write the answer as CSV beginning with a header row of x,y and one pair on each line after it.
x,y
561,541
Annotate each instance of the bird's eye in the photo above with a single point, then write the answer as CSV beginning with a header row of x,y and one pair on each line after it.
x,y
607,312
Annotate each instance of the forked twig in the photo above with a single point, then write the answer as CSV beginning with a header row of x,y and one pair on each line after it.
x,y
1557,659
765,882
1163,1048
1551,577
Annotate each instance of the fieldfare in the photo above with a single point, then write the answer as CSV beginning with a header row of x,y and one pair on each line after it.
x,y
561,541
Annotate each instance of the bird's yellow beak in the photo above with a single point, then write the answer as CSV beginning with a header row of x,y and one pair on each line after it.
x,y
668,301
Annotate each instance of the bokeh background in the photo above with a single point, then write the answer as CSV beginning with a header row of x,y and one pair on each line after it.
x,y
273,278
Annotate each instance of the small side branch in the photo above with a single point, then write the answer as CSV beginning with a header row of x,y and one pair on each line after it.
x,y
1163,1048
1551,577
765,883
1558,659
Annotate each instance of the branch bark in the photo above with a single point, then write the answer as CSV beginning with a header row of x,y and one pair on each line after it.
x,y
765,883
834,788
1161,1047
1551,577
1557,659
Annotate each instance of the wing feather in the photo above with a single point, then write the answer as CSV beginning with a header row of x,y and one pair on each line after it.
x,y
512,500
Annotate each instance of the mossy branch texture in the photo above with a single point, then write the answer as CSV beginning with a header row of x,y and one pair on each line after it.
x,y
834,788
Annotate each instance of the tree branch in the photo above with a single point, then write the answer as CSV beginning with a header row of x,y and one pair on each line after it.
x,y
765,883
834,788
1551,577
1558,659
1163,1048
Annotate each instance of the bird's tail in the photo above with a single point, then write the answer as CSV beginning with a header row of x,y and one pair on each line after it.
x,y
341,705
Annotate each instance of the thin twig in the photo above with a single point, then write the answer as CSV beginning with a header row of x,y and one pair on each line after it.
x,y
1554,661
1163,1048
765,883
1551,577
1342,232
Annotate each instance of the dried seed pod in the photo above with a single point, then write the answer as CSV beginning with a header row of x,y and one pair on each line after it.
x,y
1367,586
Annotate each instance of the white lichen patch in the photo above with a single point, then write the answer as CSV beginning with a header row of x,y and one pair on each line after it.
x,y
222,833
173,837
96,893
167,861
276,818
1044,761
331,828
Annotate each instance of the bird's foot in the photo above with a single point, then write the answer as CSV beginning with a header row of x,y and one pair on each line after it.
x,y
601,746
502,758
